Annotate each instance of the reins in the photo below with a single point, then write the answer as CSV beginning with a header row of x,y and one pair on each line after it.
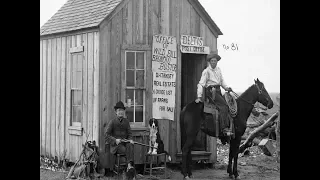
x,y
237,96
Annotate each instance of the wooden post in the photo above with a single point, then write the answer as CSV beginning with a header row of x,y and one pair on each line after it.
x,y
278,131
248,141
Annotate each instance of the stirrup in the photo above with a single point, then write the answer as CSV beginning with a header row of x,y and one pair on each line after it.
x,y
227,132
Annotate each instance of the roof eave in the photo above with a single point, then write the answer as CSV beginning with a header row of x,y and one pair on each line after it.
x,y
212,25
113,12
70,32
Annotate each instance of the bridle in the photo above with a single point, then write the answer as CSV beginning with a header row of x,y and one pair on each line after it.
x,y
259,92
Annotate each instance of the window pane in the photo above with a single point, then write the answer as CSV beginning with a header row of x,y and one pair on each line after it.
x,y
130,78
76,114
130,60
79,64
74,69
129,113
129,96
74,62
139,97
74,79
139,114
140,78
76,97
79,80
140,60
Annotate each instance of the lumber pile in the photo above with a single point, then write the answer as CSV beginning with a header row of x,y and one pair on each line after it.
x,y
253,136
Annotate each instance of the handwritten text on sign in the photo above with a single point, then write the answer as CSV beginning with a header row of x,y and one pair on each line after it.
x,y
164,53
193,44
163,95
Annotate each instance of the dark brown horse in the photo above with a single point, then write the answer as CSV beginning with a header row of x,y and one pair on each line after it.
x,y
192,115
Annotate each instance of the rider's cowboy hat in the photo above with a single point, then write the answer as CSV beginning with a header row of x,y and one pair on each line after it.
x,y
119,105
213,55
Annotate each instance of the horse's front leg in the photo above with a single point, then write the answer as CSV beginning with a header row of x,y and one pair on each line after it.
x,y
189,158
229,170
235,162
184,162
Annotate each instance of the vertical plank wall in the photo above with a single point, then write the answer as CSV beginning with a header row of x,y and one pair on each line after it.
x,y
55,94
129,26
135,24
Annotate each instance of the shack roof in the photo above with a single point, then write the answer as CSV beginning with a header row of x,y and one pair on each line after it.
x,y
78,14
81,14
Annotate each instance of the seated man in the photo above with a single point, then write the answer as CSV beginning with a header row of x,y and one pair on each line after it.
x,y
117,129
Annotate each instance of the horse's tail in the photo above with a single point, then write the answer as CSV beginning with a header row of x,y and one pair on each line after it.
x,y
182,128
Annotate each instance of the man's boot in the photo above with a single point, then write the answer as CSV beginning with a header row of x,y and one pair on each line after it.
x,y
229,131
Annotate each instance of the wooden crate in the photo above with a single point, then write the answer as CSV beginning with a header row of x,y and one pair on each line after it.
x,y
267,147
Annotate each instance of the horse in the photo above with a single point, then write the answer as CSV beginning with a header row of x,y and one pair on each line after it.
x,y
192,115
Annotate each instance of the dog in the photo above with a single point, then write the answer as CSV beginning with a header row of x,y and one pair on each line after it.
x,y
155,139
130,172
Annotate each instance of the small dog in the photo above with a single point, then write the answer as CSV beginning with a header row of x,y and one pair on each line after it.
x,y
153,125
131,172
155,139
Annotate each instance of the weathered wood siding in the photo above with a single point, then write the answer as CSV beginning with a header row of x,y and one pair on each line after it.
x,y
56,137
133,26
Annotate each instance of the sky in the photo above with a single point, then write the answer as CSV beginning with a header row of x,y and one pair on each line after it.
x,y
253,26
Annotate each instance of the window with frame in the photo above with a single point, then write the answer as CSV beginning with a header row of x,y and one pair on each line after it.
x,y
76,89
135,72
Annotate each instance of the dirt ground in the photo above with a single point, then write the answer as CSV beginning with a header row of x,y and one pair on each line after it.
x,y
255,166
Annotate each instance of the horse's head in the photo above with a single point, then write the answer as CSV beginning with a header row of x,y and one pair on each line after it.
x,y
263,95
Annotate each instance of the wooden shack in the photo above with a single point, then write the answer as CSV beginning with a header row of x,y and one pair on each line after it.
x,y
94,53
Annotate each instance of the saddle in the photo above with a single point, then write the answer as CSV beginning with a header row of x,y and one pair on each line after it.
x,y
209,97
211,111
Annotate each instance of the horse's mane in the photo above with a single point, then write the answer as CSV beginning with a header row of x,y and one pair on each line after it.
x,y
247,91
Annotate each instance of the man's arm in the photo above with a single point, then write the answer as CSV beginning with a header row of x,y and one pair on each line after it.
x,y
223,82
202,83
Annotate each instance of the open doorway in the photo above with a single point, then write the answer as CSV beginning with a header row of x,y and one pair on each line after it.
x,y
192,67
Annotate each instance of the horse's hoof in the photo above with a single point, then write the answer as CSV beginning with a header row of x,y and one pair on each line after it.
x,y
187,177
231,176
237,178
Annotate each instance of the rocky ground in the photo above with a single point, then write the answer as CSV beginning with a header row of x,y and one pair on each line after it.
x,y
253,166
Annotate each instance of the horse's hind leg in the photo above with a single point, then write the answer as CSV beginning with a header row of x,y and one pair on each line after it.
x,y
186,169
229,170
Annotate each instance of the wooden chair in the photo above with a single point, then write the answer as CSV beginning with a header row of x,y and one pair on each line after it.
x,y
149,159
120,166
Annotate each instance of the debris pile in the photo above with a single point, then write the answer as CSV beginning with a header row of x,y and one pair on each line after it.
x,y
86,165
53,164
249,140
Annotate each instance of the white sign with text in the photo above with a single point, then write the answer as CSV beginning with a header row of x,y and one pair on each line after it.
x,y
164,53
163,95
193,44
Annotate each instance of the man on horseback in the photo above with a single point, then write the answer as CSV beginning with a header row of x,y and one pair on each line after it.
x,y
211,80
